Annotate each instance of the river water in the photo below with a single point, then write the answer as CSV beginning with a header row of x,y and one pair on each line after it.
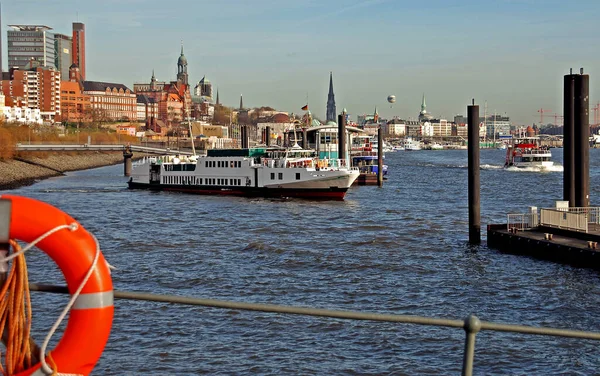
x,y
400,249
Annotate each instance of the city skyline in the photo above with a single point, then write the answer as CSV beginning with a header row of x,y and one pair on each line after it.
x,y
512,54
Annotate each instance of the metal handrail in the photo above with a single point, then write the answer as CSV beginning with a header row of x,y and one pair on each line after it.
x,y
471,325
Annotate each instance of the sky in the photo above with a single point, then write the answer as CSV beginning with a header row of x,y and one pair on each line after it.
x,y
510,54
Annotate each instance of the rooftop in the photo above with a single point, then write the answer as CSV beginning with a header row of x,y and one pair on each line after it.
x,y
30,27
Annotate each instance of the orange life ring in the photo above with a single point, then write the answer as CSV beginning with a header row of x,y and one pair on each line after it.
x,y
90,318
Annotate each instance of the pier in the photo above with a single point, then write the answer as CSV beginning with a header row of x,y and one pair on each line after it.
x,y
561,234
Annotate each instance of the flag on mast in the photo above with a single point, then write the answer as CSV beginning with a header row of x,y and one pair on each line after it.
x,y
305,108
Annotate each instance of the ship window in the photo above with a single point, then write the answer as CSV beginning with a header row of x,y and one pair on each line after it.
x,y
239,181
205,163
272,176
200,182
281,176
297,176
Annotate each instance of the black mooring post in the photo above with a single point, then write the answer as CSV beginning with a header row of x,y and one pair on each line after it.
x,y
569,139
582,140
342,136
268,136
473,155
379,156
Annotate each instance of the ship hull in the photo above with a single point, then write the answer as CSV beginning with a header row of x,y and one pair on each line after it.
x,y
332,193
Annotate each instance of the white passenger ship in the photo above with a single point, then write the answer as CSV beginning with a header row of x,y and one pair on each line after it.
x,y
257,172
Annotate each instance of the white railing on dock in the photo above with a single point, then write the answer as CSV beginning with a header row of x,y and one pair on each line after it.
x,y
522,221
593,213
568,220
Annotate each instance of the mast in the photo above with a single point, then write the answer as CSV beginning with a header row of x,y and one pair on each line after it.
x,y
190,130
485,121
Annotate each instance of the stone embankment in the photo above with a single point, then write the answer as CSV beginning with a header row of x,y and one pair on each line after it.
x,y
28,169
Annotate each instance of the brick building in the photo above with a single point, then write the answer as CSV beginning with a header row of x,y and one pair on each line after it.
x,y
34,88
75,105
111,101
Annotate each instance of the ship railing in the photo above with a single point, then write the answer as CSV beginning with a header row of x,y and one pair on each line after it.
x,y
471,324
563,219
522,222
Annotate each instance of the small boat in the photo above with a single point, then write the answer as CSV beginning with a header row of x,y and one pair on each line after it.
x,y
411,145
436,146
254,172
528,152
502,146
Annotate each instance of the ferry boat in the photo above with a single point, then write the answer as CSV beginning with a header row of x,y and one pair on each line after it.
x,y
254,172
364,155
528,152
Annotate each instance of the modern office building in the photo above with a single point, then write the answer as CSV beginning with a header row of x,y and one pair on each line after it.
x,y
63,45
79,47
30,46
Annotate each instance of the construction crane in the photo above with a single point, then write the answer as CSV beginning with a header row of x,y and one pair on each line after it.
x,y
541,111
596,108
558,117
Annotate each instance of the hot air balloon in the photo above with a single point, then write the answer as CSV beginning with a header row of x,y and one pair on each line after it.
x,y
391,98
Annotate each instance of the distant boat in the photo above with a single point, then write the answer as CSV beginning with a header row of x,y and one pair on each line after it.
x,y
411,145
528,152
502,146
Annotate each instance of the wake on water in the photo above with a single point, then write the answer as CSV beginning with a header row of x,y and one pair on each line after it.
x,y
553,168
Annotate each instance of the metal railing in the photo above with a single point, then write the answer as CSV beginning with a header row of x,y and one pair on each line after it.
x,y
522,221
592,213
574,221
471,325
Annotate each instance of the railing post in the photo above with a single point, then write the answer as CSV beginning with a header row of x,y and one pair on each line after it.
x,y
472,326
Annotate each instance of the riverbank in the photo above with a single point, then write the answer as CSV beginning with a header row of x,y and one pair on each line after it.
x,y
28,169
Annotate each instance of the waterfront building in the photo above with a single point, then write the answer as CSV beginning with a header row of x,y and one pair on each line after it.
x,y
74,103
174,98
22,115
111,101
147,109
440,127
331,112
30,43
63,46
497,125
395,128
78,41
34,88
414,128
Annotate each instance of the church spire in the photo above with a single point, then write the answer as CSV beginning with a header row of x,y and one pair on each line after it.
x,y
182,74
218,97
423,105
241,103
331,112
